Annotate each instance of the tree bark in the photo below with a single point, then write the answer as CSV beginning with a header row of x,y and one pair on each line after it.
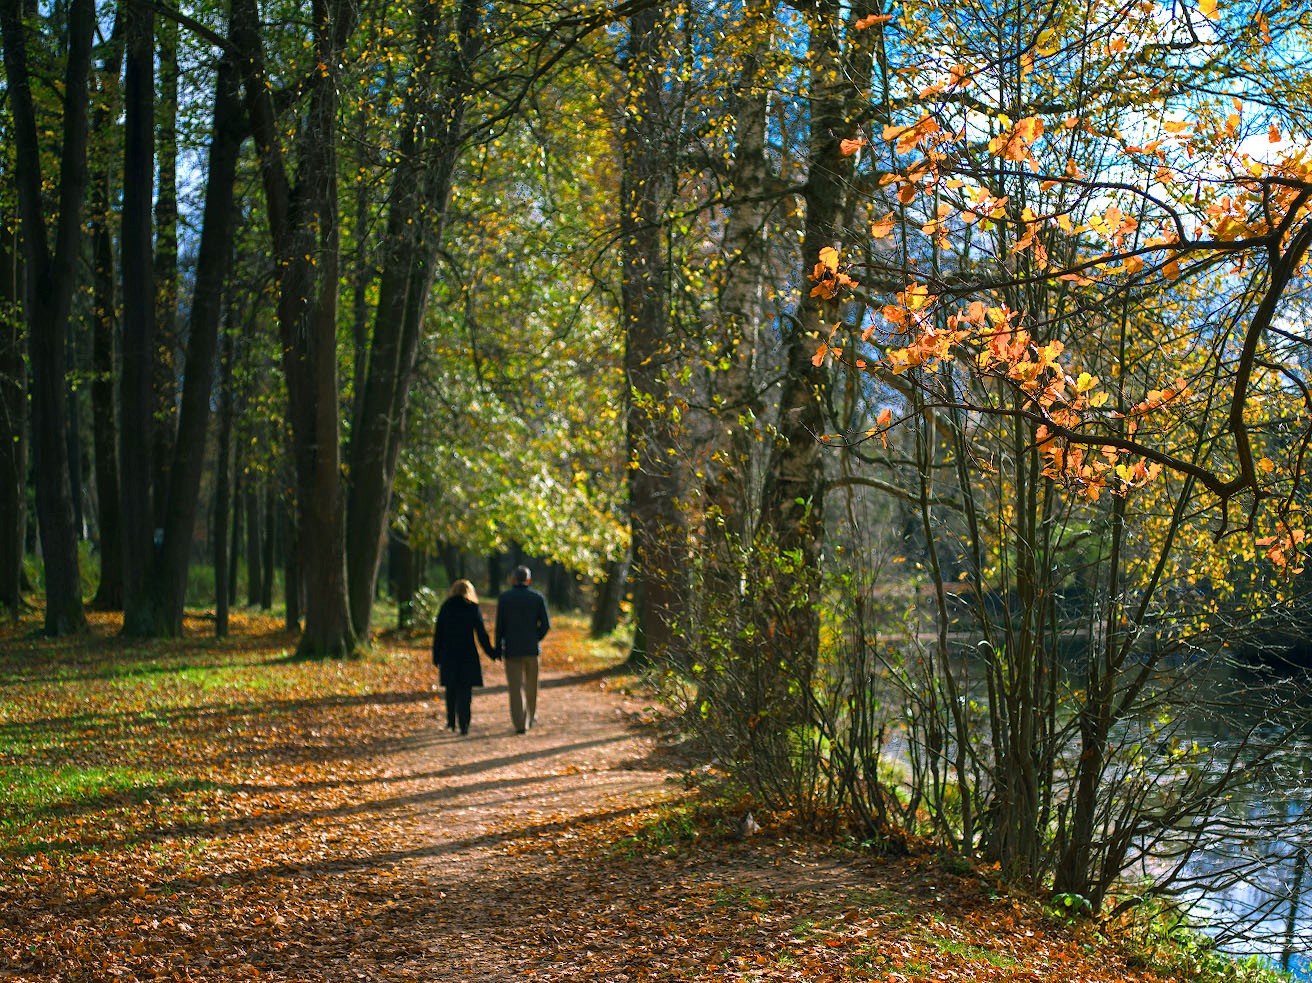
x,y
733,477
304,229
607,596
403,580
213,263
291,578
167,349
646,185
223,585
50,279
421,192
104,411
254,549
234,547
136,391
272,523
793,497
13,426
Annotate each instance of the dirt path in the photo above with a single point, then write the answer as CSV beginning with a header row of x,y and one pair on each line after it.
x,y
491,813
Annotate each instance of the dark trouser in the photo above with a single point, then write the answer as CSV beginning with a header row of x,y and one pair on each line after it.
x,y
458,699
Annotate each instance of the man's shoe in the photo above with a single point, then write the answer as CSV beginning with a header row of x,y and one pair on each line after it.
x,y
519,730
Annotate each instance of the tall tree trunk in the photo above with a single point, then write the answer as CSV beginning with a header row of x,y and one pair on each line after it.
x,y
646,185
733,479
272,524
292,586
137,377
104,415
104,411
403,580
73,440
304,228
13,426
234,545
793,496
167,349
213,262
254,549
421,191
50,279
223,586
608,593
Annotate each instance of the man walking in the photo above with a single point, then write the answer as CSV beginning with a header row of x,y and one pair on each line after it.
x,y
522,621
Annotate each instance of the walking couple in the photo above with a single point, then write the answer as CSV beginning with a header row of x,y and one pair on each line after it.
x,y
522,621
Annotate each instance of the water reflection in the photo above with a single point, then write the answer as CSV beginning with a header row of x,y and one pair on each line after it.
x,y
1254,892
1248,881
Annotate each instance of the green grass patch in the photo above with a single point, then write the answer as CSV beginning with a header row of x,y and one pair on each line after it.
x,y
34,791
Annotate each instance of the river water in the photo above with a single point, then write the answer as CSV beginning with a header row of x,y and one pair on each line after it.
x,y
1250,884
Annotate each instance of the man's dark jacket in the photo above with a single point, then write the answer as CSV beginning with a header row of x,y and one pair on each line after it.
x,y
522,620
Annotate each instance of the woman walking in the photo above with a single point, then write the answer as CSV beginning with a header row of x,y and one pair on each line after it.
x,y
459,623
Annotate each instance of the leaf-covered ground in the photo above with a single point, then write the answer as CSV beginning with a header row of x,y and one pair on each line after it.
x,y
194,811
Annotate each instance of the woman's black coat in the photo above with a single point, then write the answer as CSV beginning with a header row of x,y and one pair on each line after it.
x,y
454,653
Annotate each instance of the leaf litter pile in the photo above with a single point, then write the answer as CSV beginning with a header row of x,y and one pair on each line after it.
x,y
219,811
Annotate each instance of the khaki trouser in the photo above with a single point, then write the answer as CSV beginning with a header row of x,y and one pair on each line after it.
x,y
522,681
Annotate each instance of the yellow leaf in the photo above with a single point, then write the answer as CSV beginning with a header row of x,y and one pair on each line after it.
x,y
1207,8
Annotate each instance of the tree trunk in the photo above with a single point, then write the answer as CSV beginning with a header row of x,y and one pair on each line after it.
x,y
223,585
13,426
167,349
562,588
607,596
213,262
421,191
104,412
452,563
305,233
73,443
254,548
50,279
238,527
733,477
403,580
272,523
292,586
649,358
793,496
104,415
136,389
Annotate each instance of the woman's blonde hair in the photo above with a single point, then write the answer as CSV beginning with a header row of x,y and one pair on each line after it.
x,y
463,588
